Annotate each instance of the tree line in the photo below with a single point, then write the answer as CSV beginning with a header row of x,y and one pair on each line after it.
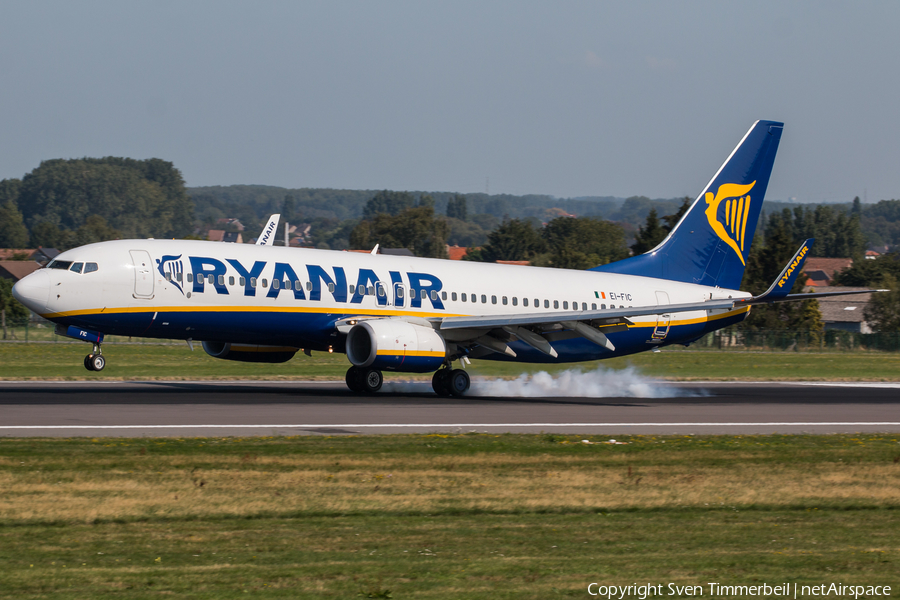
x,y
67,203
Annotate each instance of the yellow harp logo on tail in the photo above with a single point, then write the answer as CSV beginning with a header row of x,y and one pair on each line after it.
x,y
737,209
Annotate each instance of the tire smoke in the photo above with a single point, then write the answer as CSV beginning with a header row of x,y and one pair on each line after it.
x,y
574,383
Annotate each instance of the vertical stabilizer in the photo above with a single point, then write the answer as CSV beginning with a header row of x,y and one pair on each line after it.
x,y
267,237
710,244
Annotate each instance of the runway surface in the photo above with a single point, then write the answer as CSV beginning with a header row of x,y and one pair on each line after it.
x,y
188,409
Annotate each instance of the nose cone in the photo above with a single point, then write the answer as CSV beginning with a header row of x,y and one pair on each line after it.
x,y
34,291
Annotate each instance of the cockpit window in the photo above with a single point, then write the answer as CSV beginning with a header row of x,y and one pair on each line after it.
x,y
90,267
76,267
60,264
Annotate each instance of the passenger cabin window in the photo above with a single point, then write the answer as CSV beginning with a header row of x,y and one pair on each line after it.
x,y
242,281
515,301
524,301
453,296
546,304
565,305
252,281
603,306
593,306
370,290
231,280
584,306
424,295
76,268
330,286
463,297
265,283
433,294
298,285
275,284
190,278
381,292
556,304
88,269
309,286
483,299
221,280
362,290
168,276
399,289
443,295
493,299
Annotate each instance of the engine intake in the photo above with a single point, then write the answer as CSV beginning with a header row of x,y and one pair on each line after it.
x,y
394,345
249,352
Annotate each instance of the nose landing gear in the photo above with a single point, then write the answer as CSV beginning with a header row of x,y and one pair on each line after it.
x,y
95,361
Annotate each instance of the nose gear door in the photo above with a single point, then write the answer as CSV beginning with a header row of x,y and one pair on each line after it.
x,y
143,273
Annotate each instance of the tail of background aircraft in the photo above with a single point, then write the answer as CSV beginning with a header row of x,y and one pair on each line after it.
x,y
710,244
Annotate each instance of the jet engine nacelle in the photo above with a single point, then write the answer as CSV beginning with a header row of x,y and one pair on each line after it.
x,y
395,345
249,352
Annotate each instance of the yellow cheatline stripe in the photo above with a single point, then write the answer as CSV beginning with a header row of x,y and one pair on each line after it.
x,y
373,313
256,309
408,353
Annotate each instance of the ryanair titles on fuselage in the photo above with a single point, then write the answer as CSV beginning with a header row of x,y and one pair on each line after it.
x,y
207,271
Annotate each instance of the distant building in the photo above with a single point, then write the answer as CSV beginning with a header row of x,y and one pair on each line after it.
x,y
846,313
820,271
15,270
220,235
524,263
456,252
872,255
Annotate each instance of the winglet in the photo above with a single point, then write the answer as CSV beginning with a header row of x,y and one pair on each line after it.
x,y
268,233
785,281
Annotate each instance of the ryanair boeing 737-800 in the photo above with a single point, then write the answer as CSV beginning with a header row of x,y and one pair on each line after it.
x,y
262,303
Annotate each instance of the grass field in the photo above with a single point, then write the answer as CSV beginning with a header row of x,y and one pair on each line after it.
x,y
438,516
63,360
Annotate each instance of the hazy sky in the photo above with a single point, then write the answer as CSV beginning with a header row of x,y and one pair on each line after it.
x,y
561,98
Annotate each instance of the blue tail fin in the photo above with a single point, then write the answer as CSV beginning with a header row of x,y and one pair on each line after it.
x,y
710,244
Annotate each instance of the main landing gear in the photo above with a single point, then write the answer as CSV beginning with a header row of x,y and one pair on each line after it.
x,y
360,379
450,382
446,381
95,361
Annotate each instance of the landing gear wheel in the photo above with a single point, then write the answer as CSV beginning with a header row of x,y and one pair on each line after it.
x,y
440,382
459,382
372,380
354,379
87,362
98,362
